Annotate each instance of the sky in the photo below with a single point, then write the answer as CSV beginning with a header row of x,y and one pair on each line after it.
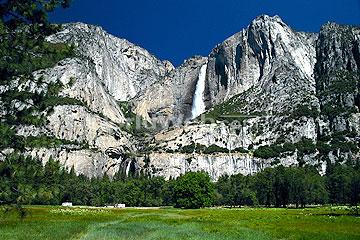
x,y
175,30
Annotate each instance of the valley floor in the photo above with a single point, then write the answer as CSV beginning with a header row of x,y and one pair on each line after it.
x,y
244,223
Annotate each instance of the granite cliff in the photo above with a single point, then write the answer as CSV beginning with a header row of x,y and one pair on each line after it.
x,y
269,95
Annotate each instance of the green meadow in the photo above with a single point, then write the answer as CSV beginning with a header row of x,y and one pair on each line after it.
x,y
168,223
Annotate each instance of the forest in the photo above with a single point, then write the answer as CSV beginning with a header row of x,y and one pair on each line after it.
x,y
24,180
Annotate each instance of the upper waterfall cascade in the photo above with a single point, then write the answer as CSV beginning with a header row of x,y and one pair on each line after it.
x,y
198,106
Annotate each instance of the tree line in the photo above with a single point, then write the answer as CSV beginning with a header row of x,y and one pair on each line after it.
x,y
25,180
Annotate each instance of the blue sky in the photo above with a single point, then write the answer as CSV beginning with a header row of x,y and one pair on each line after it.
x,y
178,29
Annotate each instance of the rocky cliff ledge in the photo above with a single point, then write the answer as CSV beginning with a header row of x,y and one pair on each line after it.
x,y
272,96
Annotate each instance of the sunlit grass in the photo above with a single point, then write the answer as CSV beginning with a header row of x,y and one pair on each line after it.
x,y
246,223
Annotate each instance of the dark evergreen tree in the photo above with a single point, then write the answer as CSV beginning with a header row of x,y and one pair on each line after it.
x,y
224,189
264,187
281,187
338,180
315,188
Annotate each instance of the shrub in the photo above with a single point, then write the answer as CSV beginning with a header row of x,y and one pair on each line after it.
x,y
323,147
344,146
188,148
56,101
126,110
45,141
305,111
199,148
266,152
6,135
289,147
215,149
240,150
306,146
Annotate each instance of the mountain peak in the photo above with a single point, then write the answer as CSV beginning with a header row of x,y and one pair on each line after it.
x,y
265,22
267,18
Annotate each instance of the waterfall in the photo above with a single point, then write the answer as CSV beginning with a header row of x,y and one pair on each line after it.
x,y
127,169
198,106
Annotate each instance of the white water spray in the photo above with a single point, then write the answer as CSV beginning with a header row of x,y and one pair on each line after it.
x,y
198,106
127,169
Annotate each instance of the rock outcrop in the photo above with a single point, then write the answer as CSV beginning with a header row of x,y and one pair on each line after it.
x,y
337,73
124,68
272,95
265,80
256,55
169,101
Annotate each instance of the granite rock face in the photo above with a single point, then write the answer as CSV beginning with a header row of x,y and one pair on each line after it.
x,y
83,83
267,48
337,73
169,101
272,80
216,165
338,89
266,87
124,68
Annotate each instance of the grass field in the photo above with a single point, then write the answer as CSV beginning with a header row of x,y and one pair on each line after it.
x,y
245,223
